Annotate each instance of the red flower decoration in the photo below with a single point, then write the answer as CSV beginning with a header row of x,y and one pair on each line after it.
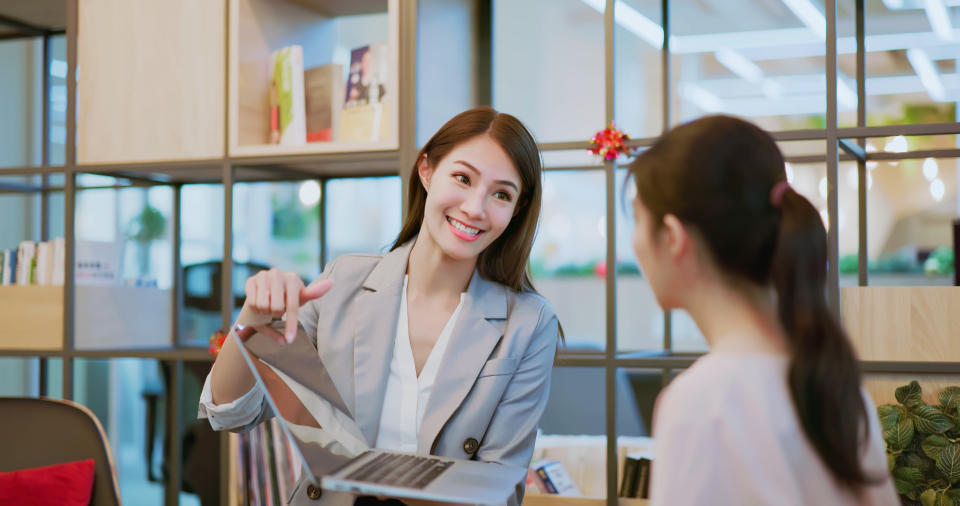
x,y
610,143
216,341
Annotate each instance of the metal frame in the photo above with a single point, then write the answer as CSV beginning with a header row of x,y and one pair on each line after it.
x,y
841,144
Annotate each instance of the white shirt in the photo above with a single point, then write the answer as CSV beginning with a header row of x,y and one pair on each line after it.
x,y
727,432
405,400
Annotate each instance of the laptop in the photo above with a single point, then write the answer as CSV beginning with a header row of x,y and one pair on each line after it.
x,y
339,463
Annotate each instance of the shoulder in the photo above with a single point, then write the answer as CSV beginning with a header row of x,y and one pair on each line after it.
x,y
718,384
532,320
352,266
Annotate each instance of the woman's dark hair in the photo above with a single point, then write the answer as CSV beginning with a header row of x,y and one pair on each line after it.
x,y
716,174
504,261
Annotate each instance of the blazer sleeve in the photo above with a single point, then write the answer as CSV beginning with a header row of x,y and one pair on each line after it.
x,y
512,432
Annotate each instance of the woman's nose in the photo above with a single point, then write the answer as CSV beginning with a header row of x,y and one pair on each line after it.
x,y
473,205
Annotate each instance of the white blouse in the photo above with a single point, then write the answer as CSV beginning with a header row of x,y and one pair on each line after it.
x,y
405,400
727,433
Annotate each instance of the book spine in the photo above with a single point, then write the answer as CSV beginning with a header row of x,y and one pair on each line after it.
x,y
266,466
643,478
255,479
279,457
547,484
629,482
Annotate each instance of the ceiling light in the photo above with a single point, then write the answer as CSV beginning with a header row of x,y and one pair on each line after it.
x,y
897,144
739,65
937,189
697,95
930,169
924,67
809,15
309,193
939,18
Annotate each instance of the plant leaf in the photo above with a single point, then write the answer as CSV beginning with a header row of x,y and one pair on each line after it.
x,y
900,436
904,488
891,462
950,397
928,497
948,463
953,494
908,474
929,420
933,445
915,458
909,395
888,416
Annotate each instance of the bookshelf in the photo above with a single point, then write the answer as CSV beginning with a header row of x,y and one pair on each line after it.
x,y
165,100
326,32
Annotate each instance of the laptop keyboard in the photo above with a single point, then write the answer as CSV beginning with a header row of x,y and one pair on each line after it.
x,y
408,471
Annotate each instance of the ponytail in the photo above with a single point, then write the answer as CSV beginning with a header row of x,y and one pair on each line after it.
x,y
824,375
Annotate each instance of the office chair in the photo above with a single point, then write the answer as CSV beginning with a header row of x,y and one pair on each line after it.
x,y
38,432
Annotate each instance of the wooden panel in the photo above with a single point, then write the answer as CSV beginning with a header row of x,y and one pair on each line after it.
x,y
903,323
883,386
150,80
32,317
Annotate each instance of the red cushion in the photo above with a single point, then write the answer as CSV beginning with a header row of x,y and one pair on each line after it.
x,y
68,484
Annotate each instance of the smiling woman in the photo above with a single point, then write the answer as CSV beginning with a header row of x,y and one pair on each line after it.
x,y
441,346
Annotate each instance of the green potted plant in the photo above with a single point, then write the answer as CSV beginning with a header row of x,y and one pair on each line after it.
x,y
148,226
923,445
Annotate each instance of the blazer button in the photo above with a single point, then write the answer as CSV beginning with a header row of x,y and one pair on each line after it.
x,y
471,445
313,492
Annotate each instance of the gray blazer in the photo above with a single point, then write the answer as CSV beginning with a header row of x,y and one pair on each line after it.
x,y
493,381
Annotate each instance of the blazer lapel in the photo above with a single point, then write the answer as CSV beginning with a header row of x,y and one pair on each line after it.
x,y
379,306
473,339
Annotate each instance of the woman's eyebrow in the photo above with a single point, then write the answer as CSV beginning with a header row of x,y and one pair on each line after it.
x,y
505,182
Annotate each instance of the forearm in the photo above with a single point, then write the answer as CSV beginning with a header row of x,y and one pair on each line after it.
x,y
230,376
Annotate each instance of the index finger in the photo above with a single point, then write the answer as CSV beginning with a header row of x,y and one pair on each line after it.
x,y
293,308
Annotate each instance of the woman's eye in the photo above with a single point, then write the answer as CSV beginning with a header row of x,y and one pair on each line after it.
x,y
461,178
503,196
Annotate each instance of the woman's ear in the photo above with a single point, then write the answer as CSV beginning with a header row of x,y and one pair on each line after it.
x,y
425,171
677,238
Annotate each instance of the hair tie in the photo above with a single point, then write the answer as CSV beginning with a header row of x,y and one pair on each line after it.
x,y
776,193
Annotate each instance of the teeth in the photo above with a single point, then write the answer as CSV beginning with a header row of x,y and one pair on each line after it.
x,y
463,228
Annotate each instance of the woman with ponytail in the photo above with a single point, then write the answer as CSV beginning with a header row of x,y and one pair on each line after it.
x,y
774,413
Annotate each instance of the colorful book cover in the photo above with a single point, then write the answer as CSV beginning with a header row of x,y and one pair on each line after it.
x,y
323,87
286,92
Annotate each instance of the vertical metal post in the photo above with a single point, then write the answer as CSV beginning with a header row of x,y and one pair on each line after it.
x,y
177,292
172,486
226,269
610,167
667,98
833,279
862,186
407,103
44,178
323,223
69,197
483,63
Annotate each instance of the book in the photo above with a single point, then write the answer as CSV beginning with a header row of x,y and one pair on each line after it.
x,y
367,75
26,263
323,87
555,478
365,116
44,268
534,483
8,267
636,475
59,261
287,122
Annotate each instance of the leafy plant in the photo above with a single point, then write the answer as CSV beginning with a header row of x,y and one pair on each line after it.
x,y
923,445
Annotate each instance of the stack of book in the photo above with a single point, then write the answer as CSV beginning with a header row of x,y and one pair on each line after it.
x,y
319,105
267,468
636,475
34,263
